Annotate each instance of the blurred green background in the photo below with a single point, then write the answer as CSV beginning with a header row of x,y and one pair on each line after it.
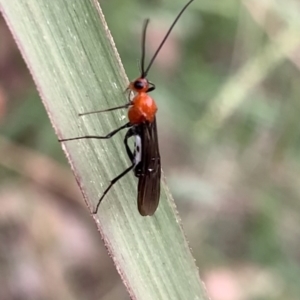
x,y
227,90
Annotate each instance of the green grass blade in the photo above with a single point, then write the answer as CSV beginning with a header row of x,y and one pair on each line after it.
x,y
71,56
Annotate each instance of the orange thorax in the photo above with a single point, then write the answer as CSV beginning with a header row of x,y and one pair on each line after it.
x,y
143,108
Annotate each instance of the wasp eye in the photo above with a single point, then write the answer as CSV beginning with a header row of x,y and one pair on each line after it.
x,y
138,84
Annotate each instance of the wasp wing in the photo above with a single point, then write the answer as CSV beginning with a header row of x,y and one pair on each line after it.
x,y
149,169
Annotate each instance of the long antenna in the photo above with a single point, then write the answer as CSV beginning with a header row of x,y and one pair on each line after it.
x,y
144,48
145,72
